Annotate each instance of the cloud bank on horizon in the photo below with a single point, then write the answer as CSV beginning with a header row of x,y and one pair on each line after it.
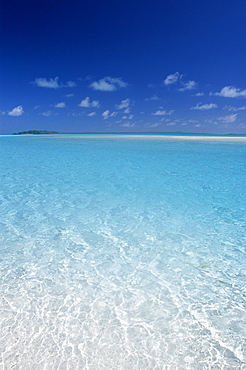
x,y
111,84
166,71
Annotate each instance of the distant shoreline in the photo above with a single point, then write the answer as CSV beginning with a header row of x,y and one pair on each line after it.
x,y
151,133
156,134
180,136
36,132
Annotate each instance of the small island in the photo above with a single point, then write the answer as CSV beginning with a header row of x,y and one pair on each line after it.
x,y
35,132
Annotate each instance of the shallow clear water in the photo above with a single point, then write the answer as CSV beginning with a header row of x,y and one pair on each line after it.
x,y
122,253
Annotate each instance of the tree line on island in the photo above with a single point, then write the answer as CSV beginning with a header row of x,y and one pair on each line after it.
x,y
35,132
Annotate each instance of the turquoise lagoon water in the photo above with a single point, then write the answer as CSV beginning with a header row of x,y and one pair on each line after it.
x,y
122,252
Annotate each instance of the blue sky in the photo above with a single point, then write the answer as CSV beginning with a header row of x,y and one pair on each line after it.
x,y
123,66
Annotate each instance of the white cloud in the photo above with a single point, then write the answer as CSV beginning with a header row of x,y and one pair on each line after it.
x,y
200,94
152,125
69,95
154,97
211,121
234,109
106,114
231,92
60,105
124,104
18,111
171,124
177,78
108,84
73,114
172,78
113,114
95,104
46,114
52,83
128,124
87,104
229,119
92,114
204,106
162,113
127,110
128,117
70,84
190,85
